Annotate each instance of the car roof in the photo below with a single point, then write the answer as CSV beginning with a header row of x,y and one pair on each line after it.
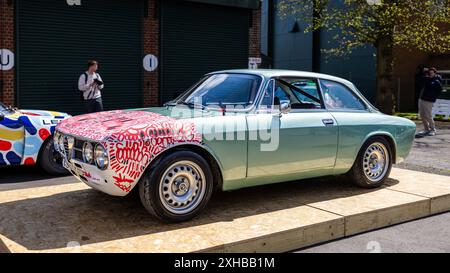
x,y
269,73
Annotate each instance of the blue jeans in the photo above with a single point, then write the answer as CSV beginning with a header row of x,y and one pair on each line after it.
x,y
93,106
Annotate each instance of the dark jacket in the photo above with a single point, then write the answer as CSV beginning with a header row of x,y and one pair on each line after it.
x,y
432,89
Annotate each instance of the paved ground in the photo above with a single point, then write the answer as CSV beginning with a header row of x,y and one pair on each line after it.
x,y
431,154
431,235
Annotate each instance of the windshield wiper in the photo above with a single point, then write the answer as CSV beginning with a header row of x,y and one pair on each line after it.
x,y
175,103
191,104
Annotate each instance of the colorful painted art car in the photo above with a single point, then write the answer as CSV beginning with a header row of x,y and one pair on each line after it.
x,y
25,138
234,129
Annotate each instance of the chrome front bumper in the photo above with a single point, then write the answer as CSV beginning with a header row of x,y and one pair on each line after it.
x,y
93,177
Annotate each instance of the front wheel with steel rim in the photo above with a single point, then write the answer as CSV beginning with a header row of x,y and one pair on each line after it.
x,y
177,187
373,165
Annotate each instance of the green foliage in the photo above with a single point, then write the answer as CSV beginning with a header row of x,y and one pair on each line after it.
x,y
413,24
415,116
411,116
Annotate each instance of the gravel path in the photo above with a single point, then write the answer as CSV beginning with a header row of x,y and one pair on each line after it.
x,y
431,154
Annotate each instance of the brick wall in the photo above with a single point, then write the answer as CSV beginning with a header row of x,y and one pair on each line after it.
x,y
254,35
151,46
7,41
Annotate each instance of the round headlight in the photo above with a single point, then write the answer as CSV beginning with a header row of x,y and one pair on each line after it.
x,y
101,157
88,152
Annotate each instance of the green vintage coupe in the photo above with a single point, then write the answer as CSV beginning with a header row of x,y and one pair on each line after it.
x,y
234,129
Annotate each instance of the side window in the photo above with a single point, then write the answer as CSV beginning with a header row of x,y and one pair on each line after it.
x,y
307,92
273,92
337,96
298,93
281,94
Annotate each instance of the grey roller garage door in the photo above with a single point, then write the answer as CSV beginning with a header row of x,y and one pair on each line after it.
x,y
55,40
197,39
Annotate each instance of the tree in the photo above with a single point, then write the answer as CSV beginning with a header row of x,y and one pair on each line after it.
x,y
384,24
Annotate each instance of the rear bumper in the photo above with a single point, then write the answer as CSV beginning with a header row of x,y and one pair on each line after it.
x,y
399,160
405,142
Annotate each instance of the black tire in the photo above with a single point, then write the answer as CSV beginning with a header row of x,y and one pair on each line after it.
x,y
361,174
50,160
156,195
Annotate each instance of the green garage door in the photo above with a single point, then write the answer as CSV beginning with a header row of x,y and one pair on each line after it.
x,y
197,39
55,40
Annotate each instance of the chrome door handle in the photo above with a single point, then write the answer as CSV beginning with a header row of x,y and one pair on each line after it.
x,y
328,122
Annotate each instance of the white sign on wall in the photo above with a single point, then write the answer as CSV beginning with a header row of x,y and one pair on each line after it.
x,y
254,62
73,2
6,59
150,62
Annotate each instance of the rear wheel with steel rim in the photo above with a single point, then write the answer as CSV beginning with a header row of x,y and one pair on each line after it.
x,y
373,165
177,187
376,159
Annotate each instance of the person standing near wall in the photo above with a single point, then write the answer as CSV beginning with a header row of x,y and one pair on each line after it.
x,y
90,84
431,91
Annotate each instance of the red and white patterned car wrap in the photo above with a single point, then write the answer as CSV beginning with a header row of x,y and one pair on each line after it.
x,y
132,138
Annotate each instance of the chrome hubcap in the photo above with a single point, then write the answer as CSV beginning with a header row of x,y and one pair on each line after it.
x,y
376,162
182,187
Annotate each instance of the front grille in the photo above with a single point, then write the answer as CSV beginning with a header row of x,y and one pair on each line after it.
x,y
77,151
66,148
78,155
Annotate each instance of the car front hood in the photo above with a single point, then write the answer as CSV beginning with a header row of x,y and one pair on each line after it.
x,y
128,125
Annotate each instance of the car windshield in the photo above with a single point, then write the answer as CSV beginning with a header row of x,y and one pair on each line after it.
x,y
223,90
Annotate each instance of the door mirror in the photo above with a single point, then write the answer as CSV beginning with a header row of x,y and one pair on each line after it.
x,y
285,106
282,106
2,116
